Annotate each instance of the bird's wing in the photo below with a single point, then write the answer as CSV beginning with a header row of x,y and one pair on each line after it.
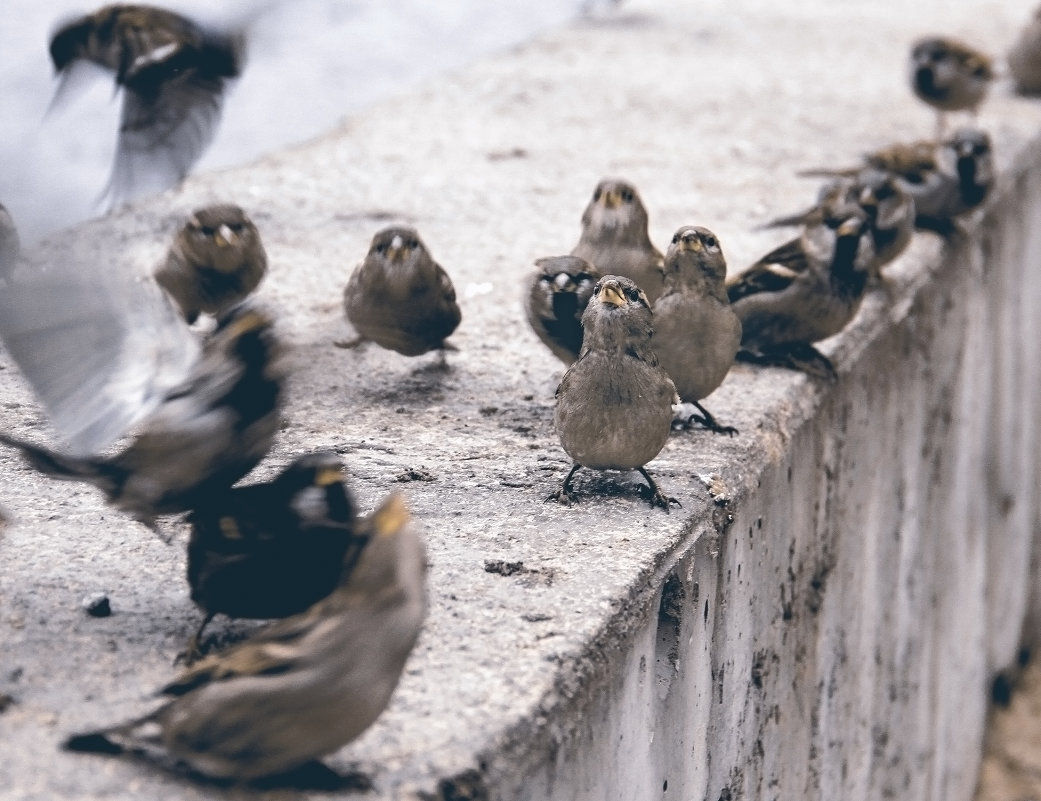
x,y
774,272
99,347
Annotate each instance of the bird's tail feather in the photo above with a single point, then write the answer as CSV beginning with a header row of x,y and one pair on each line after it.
x,y
53,463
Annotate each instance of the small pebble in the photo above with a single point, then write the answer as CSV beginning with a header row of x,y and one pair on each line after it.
x,y
97,605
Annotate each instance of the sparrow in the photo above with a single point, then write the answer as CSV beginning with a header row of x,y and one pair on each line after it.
x,y
889,207
173,74
10,243
696,333
946,179
558,293
949,75
1024,58
272,549
615,238
204,434
399,297
614,404
300,688
803,291
215,261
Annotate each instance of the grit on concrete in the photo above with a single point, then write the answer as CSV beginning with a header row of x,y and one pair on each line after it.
x,y
709,108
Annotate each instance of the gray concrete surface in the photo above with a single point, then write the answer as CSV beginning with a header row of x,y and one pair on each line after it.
x,y
828,631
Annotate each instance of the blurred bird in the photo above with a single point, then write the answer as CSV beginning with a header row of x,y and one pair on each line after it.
x,y
946,179
1024,58
614,405
558,293
696,333
615,238
10,244
302,687
889,207
272,549
802,292
204,434
216,260
399,297
173,73
949,75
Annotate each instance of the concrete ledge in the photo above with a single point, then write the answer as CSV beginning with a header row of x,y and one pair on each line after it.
x,y
826,629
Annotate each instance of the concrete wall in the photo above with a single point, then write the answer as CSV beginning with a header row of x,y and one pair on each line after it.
x,y
834,608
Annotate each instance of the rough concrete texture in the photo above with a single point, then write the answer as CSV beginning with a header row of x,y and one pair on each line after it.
x,y
827,629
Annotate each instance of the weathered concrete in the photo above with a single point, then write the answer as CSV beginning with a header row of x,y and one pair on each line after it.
x,y
833,638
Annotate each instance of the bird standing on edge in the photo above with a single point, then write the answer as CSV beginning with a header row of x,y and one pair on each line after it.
x,y
615,237
614,405
216,261
802,292
558,294
302,687
949,75
696,333
399,297
272,549
173,73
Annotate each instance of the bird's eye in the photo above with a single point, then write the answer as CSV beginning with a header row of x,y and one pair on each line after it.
x,y
381,247
206,230
627,195
597,194
411,244
710,242
633,294
675,238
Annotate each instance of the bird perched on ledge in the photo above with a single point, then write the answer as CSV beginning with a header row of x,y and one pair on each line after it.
x,y
399,297
272,549
615,238
949,75
696,333
558,294
216,261
302,687
802,292
173,74
946,179
889,207
614,405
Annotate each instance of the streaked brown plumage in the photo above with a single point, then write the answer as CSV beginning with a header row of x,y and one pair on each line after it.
x,y
302,687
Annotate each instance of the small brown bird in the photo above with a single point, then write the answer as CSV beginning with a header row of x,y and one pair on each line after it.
x,y
272,549
949,75
302,687
945,179
399,297
802,292
696,333
558,294
614,405
615,237
216,260
205,434
173,73
1024,58
881,195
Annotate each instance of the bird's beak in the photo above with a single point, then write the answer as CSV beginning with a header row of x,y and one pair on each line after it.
x,y
612,199
390,517
397,247
563,283
849,228
225,237
611,294
328,476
